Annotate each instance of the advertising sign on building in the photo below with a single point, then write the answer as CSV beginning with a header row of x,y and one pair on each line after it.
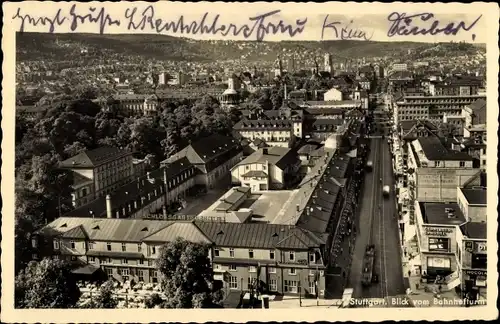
x,y
438,231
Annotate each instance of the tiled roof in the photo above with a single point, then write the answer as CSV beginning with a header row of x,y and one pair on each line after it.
x,y
206,149
263,124
185,230
475,196
254,174
122,196
77,232
434,150
106,229
258,236
79,179
93,158
278,156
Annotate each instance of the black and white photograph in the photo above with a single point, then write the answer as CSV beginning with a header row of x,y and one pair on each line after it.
x,y
253,167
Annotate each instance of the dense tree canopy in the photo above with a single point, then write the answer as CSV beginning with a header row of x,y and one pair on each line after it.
x,y
46,284
187,276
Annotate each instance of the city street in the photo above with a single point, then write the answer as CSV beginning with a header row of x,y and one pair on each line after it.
x,y
378,226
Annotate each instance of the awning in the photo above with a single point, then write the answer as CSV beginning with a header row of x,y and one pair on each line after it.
x,y
88,269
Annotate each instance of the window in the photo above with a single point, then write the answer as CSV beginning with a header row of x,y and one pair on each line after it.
x,y
312,272
56,245
252,269
312,257
312,287
139,247
273,285
216,252
109,272
153,249
478,261
34,256
217,266
272,270
462,164
271,254
34,242
439,244
437,163
73,258
231,253
124,261
72,244
292,256
264,167
91,259
125,273
141,261
250,254
291,286
140,274
233,282
247,167
108,246
124,247
292,271
232,267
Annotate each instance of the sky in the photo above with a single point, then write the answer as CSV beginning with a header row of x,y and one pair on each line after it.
x,y
370,18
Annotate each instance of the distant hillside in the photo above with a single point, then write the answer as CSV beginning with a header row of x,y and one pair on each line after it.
x,y
162,47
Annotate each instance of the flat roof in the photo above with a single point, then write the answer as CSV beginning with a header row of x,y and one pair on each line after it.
x,y
436,213
267,205
474,230
475,196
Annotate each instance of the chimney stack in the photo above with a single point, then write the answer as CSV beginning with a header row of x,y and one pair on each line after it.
x,y
109,209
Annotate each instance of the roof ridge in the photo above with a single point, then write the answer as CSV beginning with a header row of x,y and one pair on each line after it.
x,y
158,230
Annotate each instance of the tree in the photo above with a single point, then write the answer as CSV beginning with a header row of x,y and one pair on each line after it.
x,y
46,284
187,275
104,298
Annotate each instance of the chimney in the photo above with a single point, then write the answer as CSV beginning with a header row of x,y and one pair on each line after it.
x,y
264,151
109,209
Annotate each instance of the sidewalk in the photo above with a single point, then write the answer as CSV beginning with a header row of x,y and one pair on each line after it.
x,y
294,302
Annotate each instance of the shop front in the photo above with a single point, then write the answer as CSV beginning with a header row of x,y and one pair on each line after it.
x,y
474,269
439,248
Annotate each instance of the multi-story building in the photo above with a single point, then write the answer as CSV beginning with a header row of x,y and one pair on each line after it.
x,y
267,168
212,156
475,113
283,259
98,172
451,241
432,107
456,86
275,128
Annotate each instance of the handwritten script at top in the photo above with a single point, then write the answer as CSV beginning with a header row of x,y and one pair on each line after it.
x,y
403,25
147,20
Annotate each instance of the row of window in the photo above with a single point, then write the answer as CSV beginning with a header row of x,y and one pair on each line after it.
x,y
91,246
253,269
272,254
92,259
290,286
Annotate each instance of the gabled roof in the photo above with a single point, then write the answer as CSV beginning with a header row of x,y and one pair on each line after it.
x,y
105,229
206,149
94,158
278,156
185,230
434,150
77,232
259,235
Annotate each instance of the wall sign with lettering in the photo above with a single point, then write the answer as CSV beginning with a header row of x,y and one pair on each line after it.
x,y
438,231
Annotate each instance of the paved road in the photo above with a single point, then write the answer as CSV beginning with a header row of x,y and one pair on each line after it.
x,y
378,226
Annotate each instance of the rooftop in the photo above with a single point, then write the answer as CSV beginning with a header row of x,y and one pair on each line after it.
x,y
474,230
440,213
475,196
259,236
275,155
434,150
95,157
